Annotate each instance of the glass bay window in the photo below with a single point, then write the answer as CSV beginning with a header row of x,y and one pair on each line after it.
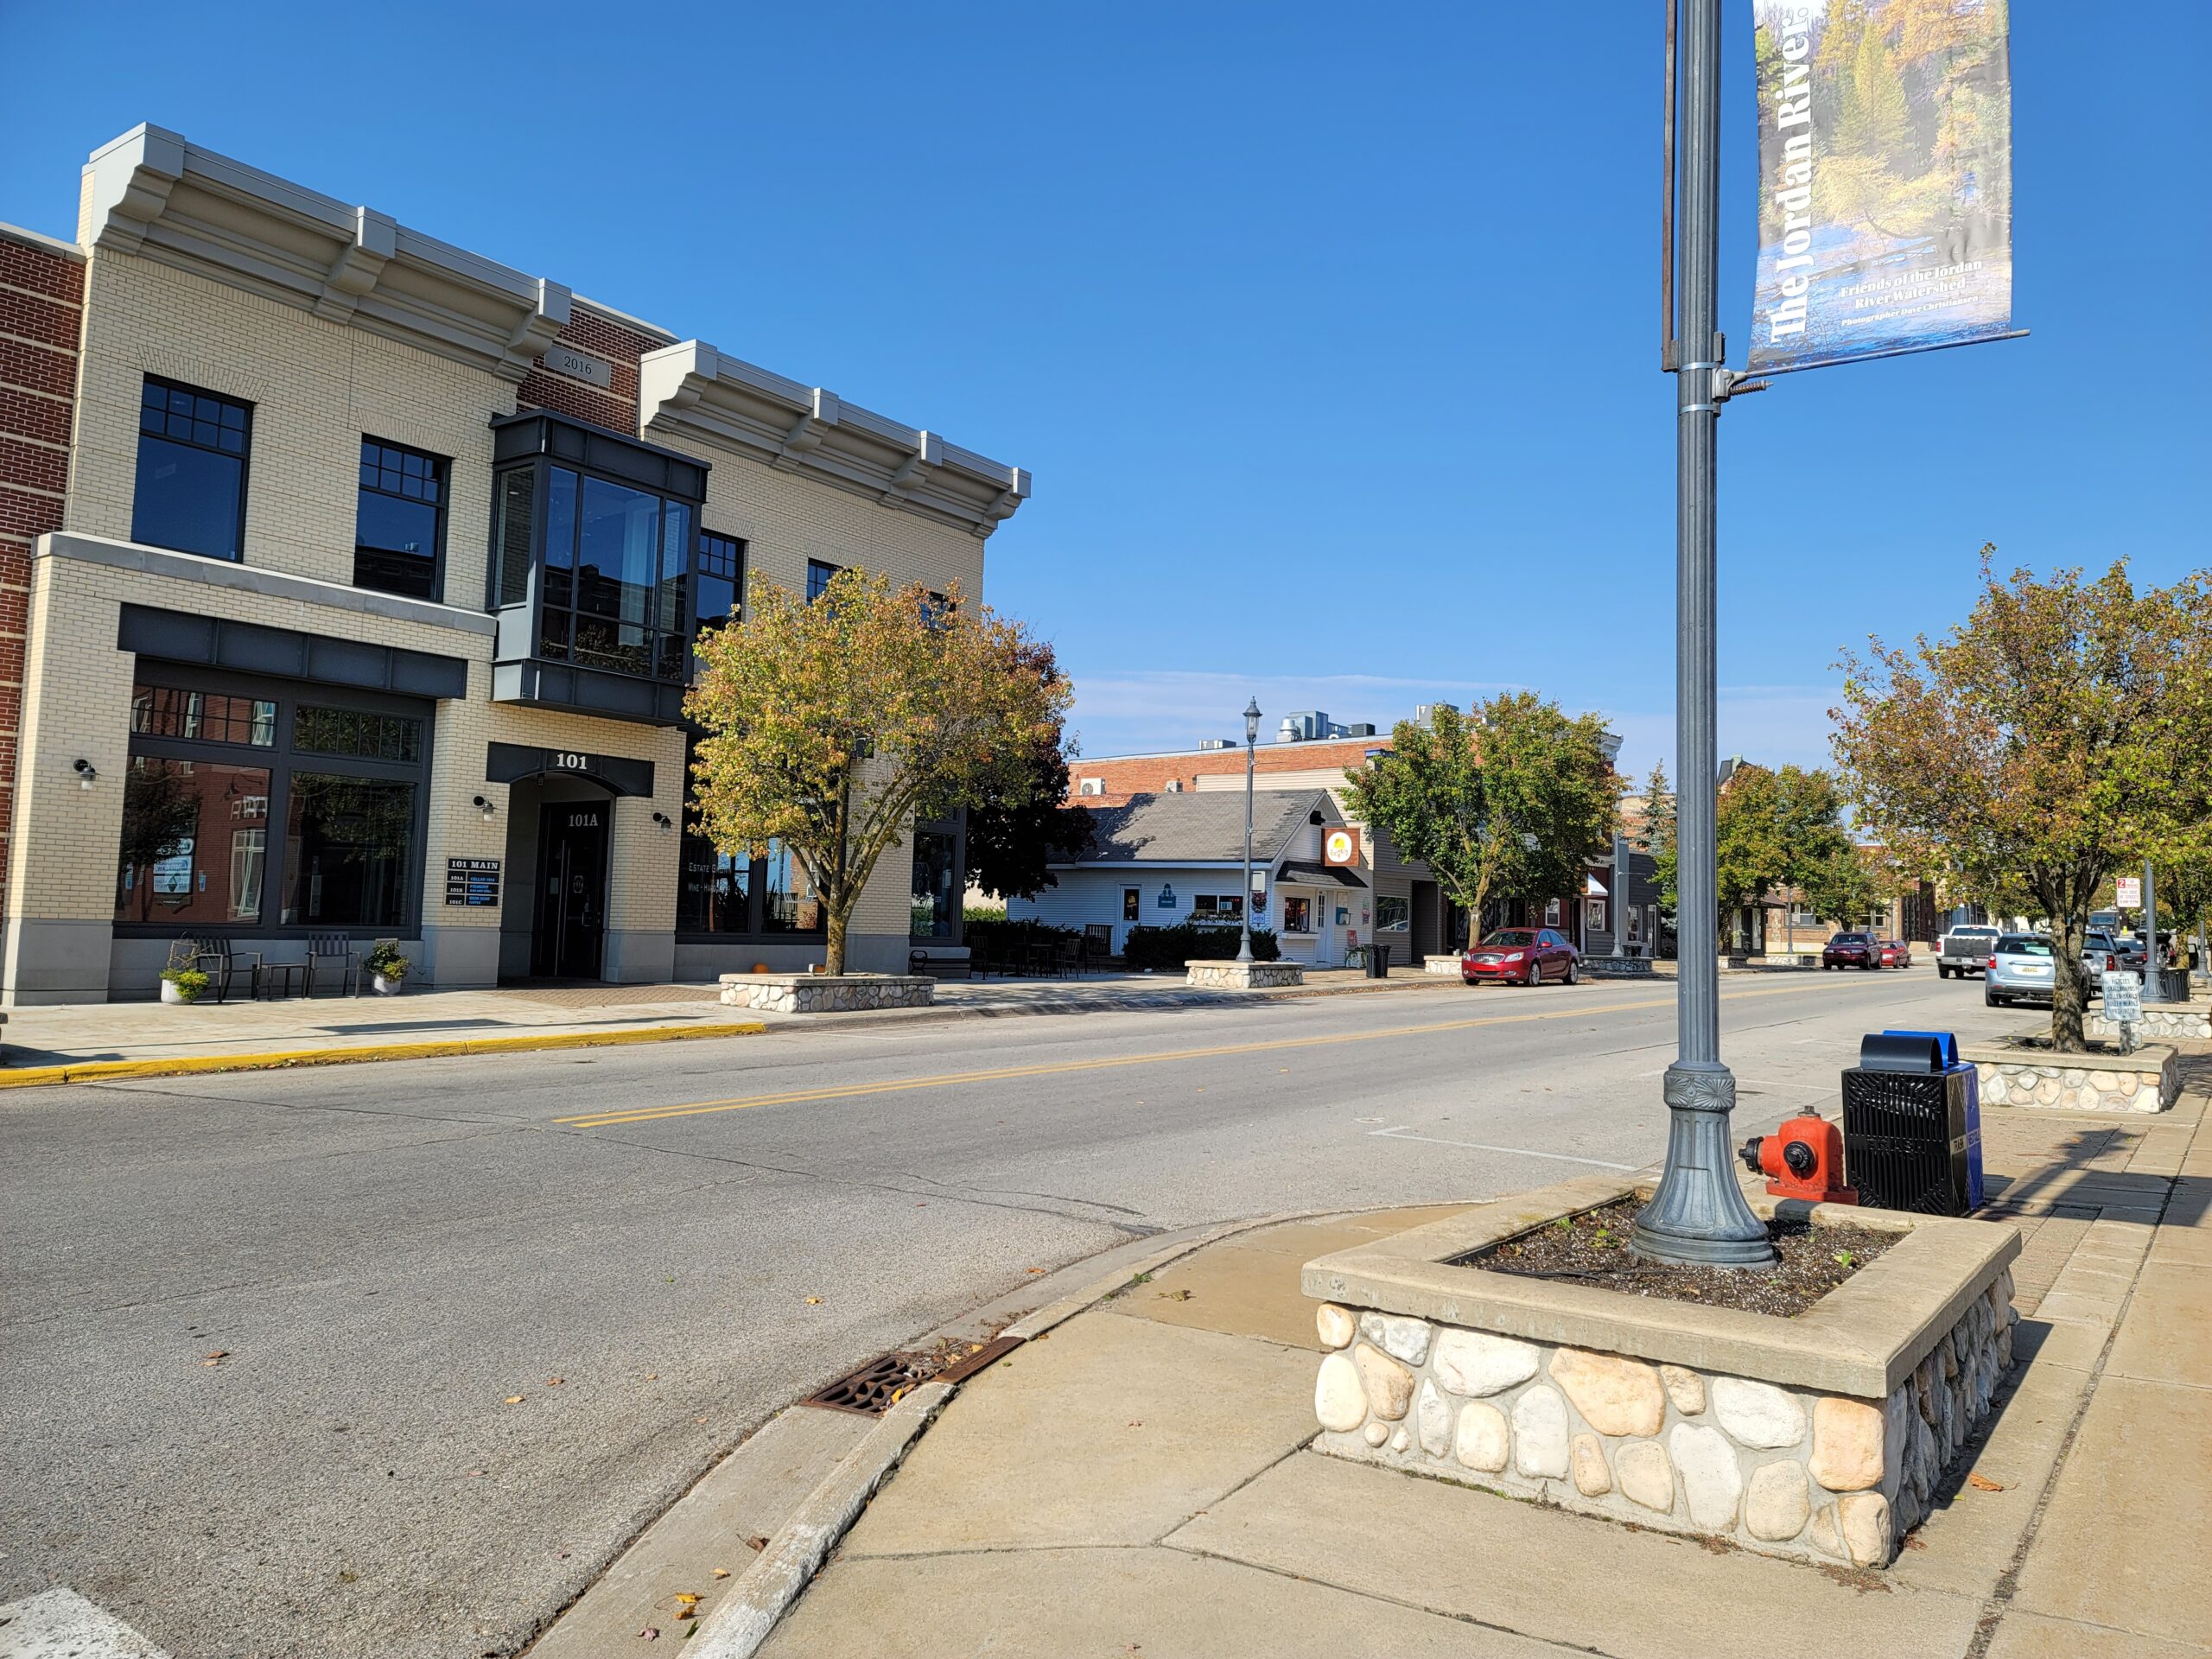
x,y
593,541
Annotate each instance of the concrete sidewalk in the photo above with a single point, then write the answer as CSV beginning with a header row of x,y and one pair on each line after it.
x,y
1139,1480
80,1041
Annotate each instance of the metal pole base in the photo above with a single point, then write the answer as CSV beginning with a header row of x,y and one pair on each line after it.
x,y
1699,1217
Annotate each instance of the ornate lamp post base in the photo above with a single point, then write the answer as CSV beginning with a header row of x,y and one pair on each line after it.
x,y
1699,1217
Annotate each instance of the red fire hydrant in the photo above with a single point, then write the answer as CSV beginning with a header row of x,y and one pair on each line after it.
x,y
1803,1159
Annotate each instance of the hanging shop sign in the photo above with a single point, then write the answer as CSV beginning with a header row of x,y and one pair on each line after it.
x,y
1885,171
1340,846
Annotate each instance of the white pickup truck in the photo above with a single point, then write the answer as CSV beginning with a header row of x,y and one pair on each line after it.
x,y
1965,950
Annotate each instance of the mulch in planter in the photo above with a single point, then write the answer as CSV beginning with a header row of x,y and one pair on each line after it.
x,y
1592,1249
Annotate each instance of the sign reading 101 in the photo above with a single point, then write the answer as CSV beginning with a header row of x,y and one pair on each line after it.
x,y
564,760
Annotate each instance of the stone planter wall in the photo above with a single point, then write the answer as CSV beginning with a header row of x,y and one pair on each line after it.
x,y
827,993
1780,1470
2164,1022
1618,967
1243,975
1441,965
2146,1081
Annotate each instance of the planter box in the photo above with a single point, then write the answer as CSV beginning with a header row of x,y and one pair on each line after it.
x,y
1618,967
2147,1080
1441,965
1243,975
827,993
1819,1437
2162,1023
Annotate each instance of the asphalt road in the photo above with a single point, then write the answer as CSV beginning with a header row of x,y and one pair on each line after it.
x,y
386,1255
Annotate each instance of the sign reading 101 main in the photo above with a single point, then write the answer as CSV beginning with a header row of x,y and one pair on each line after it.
x,y
472,881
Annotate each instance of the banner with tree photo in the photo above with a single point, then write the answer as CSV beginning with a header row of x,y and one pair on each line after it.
x,y
1886,169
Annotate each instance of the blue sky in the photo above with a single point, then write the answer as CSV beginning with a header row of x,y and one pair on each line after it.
x,y
1328,333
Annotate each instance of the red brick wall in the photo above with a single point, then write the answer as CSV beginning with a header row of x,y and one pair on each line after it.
x,y
41,301
602,336
1149,774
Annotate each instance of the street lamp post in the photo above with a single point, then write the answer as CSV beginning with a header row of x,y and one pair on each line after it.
x,y
2154,979
1698,1215
1244,905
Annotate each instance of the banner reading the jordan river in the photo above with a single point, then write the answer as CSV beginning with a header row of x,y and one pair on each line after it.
x,y
1886,169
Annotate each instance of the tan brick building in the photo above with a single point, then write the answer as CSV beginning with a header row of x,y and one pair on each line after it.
x,y
347,586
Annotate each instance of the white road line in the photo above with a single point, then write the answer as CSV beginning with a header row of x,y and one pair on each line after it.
x,y
58,1624
1518,1152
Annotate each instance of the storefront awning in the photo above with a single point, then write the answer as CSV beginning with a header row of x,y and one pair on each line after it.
x,y
1593,887
1319,875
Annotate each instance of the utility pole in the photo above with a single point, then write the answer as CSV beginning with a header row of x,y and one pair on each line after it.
x,y
1698,1214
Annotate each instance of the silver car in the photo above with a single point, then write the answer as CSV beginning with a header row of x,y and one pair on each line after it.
x,y
2019,970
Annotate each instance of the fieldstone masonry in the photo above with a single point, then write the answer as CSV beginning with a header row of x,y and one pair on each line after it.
x,y
1243,975
2146,1080
1781,1470
827,993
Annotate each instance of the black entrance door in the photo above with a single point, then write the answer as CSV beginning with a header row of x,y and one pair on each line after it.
x,y
571,926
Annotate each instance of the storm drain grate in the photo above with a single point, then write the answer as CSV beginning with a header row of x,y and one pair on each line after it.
x,y
875,1388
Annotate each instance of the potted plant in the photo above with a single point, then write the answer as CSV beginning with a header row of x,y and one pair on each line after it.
x,y
387,967
182,980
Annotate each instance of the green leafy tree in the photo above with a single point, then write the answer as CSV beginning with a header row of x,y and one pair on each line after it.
x,y
1020,824
1658,835
829,725
1774,829
1848,886
1512,802
2043,745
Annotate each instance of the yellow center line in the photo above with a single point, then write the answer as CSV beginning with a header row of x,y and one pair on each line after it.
x,y
951,1080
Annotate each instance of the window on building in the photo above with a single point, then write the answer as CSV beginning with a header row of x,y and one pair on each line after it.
x,y
818,576
193,446
399,523
936,895
788,901
195,845
349,850
1132,905
1216,907
1594,915
1297,914
616,563
1392,912
354,732
173,711
719,583
1551,913
217,760
715,895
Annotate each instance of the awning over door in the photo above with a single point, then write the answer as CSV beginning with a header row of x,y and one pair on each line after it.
x,y
1319,875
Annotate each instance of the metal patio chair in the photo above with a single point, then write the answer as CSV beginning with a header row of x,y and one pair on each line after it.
x,y
215,958
334,952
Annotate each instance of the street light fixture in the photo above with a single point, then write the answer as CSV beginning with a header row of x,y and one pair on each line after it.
x,y
1244,905
1699,1215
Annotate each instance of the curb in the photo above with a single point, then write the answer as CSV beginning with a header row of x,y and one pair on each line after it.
x,y
766,1590
33,1076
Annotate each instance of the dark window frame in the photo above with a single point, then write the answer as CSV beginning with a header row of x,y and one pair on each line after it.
x,y
442,474
827,573
245,460
281,761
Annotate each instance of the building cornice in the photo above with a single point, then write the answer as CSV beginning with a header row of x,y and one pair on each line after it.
x,y
155,194
689,390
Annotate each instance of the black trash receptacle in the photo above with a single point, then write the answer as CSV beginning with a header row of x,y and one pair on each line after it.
x,y
1378,962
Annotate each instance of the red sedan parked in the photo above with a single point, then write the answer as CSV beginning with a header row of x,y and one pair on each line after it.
x,y
1896,953
1522,955
1852,950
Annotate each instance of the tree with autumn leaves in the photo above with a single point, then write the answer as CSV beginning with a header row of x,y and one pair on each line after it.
x,y
829,725
2056,737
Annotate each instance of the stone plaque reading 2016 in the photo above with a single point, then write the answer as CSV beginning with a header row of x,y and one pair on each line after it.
x,y
472,880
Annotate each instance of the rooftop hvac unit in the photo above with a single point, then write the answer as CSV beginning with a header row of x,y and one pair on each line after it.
x,y
1913,1124
1356,731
